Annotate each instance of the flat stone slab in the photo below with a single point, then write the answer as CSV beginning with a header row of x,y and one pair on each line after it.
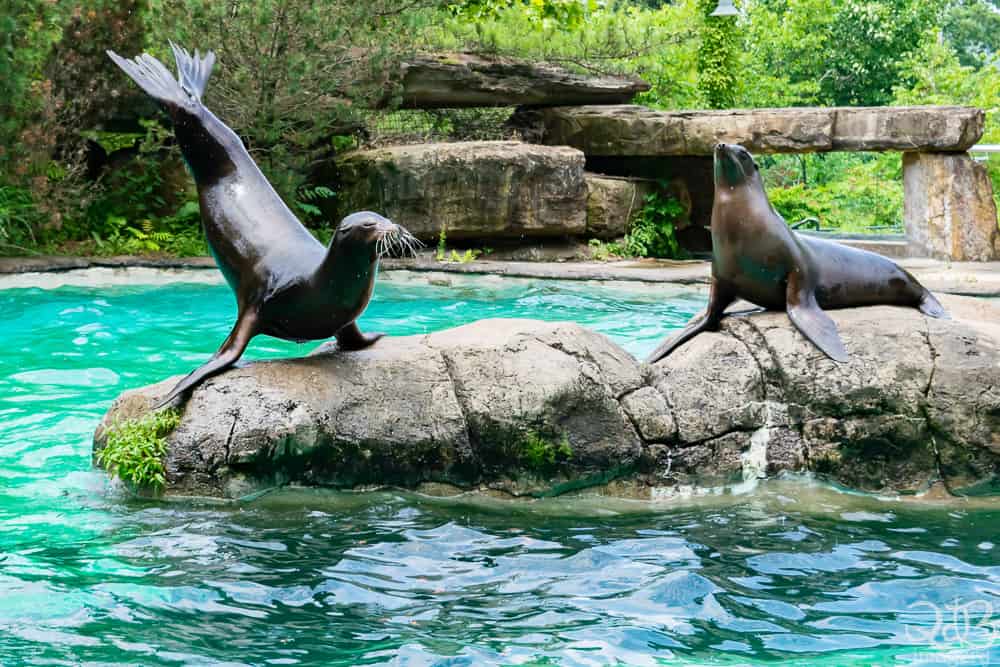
x,y
466,80
630,130
534,408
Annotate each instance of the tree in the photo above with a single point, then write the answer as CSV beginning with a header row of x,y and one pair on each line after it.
x,y
718,58
973,28
849,51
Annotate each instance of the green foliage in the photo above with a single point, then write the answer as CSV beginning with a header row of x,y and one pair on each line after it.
x,y
146,207
135,449
540,452
718,58
307,200
18,219
442,246
841,53
846,192
936,76
603,251
442,254
973,29
654,230
563,13
29,29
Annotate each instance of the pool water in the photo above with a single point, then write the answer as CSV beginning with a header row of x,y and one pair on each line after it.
x,y
793,572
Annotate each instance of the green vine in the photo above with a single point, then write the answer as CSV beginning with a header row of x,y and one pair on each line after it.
x,y
718,58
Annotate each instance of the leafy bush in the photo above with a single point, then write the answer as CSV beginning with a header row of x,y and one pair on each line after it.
x,y
135,449
654,229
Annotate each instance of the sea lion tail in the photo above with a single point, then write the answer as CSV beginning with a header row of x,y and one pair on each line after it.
x,y
193,71
158,82
929,305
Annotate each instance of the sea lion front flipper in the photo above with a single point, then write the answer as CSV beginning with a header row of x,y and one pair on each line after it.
x,y
719,299
350,338
227,355
930,306
810,319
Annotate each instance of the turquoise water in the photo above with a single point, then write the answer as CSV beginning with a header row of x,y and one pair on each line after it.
x,y
792,573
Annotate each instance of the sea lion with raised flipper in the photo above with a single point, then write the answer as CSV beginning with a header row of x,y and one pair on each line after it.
x,y
758,258
287,284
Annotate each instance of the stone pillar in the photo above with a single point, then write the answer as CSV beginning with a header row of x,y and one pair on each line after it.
x,y
948,208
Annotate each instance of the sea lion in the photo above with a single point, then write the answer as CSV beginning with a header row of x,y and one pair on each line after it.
x,y
757,257
287,284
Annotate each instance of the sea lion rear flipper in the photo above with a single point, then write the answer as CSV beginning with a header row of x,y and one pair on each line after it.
x,y
227,355
810,319
719,299
350,338
154,77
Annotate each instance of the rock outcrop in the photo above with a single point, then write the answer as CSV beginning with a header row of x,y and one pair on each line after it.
x,y
452,80
478,189
629,130
529,407
490,191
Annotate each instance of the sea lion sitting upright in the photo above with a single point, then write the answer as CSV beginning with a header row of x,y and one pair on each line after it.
x,y
757,257
287,284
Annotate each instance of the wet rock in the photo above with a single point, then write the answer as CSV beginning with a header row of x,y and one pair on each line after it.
x,y
527,408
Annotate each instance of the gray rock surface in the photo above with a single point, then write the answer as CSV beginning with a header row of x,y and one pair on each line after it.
x,y
526,407
477,189
451,80
629,130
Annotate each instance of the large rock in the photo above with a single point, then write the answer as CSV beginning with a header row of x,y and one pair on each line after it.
x,y
949,208
497,402
530,407
612,203
478,190
628,130
466,80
